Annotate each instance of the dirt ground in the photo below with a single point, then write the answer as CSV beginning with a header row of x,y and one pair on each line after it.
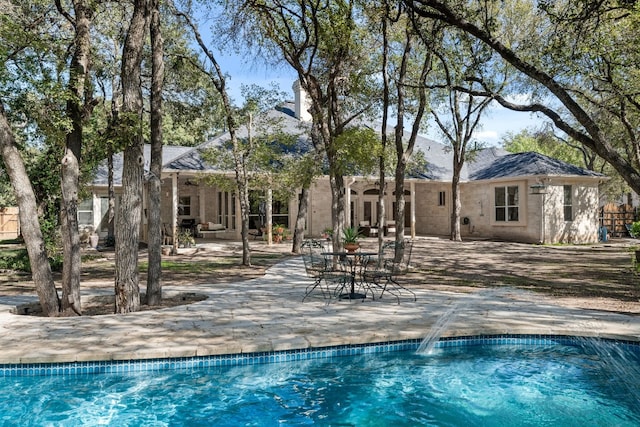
x,y
600,276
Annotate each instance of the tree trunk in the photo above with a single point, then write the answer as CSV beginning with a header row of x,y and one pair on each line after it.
x,y
76,106
29,224
337,208
301,220
457,206
127,292
245,208
269,216
111,191
154,275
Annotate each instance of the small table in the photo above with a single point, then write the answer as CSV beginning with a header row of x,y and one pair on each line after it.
x,y
353,263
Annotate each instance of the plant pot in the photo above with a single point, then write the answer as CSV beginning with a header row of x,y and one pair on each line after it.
x,y
351,247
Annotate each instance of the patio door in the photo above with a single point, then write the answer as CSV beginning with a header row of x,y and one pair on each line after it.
x,y
370,211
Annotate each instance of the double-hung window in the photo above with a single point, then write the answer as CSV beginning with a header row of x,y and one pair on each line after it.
x,y
507,203
85,213
568,203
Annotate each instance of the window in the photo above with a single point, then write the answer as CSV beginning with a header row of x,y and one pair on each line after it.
x,y
184,206
506,200
442,196
568,204
85,213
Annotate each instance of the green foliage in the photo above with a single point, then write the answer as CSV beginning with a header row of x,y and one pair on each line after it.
x,y
542,142
358,150
351,235
280,233
418,164
15,259
7,198
185,238
635,229
18,260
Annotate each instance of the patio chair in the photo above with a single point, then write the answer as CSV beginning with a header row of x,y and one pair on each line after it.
x,y
314,246
629,228
375,274
320,269
394,262
390,228
167,234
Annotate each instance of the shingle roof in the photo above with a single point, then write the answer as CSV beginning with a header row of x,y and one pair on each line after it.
x,y
286,122
488,163
169,152
527,164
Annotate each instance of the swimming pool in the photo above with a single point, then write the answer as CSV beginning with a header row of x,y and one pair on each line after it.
x,y
488,381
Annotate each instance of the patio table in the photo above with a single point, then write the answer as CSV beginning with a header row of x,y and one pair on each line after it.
x,y
353,260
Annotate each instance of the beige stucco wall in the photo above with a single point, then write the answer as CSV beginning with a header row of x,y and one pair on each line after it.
x,y
584,227
478,206
431,218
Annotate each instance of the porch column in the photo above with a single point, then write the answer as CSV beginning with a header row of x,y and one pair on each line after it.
x,y
238,217
413,209
97,212
201,203
174,210
347,202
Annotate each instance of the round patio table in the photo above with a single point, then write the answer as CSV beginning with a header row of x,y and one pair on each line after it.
x,y
353,259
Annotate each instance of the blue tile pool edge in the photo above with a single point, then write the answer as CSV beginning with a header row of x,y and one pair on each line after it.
x,y
240,359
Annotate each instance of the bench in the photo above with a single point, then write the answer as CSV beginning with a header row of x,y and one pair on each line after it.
x,y
204,230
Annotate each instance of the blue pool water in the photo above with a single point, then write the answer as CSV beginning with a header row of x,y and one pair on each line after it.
x,y
479,385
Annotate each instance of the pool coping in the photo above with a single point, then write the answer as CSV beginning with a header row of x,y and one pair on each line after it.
x,y
297,355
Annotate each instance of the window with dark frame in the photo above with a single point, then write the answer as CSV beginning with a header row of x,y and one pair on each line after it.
x,y
442,197
568,203
507,204
184,206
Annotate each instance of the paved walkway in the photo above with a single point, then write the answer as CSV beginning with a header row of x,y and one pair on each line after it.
x,y
267,314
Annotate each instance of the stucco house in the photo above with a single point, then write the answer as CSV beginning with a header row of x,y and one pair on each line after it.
x,y
526,197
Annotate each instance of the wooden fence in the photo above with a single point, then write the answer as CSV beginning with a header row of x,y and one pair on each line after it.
x,y
9,224
614,217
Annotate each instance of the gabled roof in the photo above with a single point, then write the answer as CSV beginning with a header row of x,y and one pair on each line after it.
x,y
440,160
528,164
285,120
169,152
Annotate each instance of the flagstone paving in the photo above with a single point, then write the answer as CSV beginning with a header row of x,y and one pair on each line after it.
x,y
266,314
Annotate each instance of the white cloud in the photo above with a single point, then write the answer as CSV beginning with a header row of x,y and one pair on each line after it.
x,y
486,135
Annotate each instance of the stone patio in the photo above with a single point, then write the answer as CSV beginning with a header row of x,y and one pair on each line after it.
x,y
266,314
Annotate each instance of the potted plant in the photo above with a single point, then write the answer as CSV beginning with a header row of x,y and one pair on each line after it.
x,y
185,238
350,237
327,233
278,232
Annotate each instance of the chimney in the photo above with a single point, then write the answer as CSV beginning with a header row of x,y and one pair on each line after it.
x,y
301,102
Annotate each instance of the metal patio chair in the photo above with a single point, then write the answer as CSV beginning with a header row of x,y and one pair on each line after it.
x,y
395,261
